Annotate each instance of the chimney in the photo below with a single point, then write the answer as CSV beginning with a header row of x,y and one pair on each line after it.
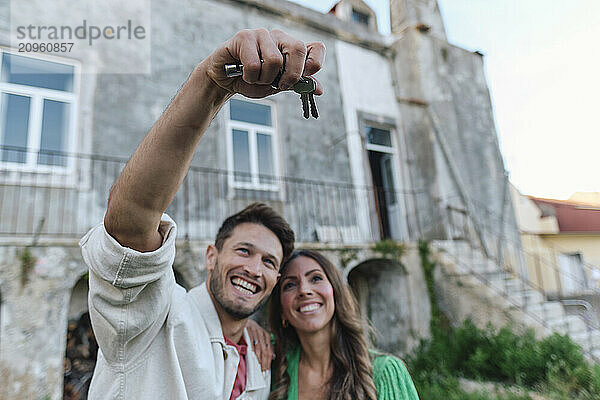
x,y
356,12
423,15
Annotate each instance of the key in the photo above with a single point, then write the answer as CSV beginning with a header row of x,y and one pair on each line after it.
x,y
313,106
306,87
305,106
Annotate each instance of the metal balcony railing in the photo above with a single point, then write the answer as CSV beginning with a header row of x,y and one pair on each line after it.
x,y
68,195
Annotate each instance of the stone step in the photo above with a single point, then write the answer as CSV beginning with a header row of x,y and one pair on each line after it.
x,y
569,324
547,311
507,283
526,297
453,246
588,339
460,251
482,267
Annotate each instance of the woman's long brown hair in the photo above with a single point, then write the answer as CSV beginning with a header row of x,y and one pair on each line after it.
x,y
352,371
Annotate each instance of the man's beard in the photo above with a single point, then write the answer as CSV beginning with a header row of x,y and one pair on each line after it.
x,y
217,288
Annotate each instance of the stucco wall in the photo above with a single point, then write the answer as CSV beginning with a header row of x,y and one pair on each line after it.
x,y
367,90
588,245
449,127
34,318
542,264
181,38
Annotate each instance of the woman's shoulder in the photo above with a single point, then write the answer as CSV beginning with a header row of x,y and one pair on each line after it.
x,y
391,378
388,364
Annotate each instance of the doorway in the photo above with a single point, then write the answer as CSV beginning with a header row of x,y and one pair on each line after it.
x,y
381,152
383,188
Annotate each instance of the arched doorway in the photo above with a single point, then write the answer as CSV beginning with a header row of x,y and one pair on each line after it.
x,y
383,294
81,347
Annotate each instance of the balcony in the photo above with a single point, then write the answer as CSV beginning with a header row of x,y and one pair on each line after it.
x,y
64,199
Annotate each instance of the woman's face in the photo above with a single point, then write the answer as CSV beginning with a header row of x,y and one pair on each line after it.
x,y
306,296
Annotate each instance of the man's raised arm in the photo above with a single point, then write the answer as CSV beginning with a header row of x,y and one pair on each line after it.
x,y
155,171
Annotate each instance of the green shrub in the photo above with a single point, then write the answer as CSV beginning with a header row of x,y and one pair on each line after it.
x,y
390,248
555,364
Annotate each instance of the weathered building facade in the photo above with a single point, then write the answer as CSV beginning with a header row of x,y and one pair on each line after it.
x,y
405,149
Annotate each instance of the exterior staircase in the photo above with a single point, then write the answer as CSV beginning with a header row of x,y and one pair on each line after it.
x,y
469,272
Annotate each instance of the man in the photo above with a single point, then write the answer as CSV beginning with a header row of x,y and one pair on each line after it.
x,y
156,341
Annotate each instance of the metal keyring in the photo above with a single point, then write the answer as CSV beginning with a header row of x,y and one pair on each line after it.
x,y
237,69
275,83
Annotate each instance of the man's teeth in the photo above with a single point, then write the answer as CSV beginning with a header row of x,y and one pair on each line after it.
x,y
244,286
310,307
246,291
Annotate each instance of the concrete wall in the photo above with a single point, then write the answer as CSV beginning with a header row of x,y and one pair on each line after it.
x,y
449,128
35,302
406,14
181,38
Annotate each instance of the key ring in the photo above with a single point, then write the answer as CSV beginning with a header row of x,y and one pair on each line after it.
x,y
275,83
234,70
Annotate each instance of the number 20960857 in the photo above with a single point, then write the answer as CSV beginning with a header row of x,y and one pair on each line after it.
x,y
50,47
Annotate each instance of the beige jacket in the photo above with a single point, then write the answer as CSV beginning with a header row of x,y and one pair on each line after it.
x,y
157,341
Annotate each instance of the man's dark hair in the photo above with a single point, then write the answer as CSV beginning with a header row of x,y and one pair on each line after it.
x,y
261,214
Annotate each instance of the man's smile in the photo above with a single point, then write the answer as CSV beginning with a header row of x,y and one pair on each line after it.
x,y
245,287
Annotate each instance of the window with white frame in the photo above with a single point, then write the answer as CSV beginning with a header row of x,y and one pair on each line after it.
x,y
252,150
38,104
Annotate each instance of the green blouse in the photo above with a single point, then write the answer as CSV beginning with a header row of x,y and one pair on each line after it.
x,y
391,378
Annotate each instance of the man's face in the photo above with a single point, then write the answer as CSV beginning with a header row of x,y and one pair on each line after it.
x,y
243,274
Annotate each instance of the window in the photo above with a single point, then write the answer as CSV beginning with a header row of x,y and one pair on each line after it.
x,y
360,17
37,112
252,156
379,137
573,279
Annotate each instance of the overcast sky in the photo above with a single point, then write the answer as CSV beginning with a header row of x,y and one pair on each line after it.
x,y
542,61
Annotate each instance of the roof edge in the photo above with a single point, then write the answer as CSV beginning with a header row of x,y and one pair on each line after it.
x,y
327,23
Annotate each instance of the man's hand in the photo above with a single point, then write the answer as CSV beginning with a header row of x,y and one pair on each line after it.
x,y
261,52
261,344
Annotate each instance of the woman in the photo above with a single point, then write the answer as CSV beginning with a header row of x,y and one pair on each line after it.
x,y
320,344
